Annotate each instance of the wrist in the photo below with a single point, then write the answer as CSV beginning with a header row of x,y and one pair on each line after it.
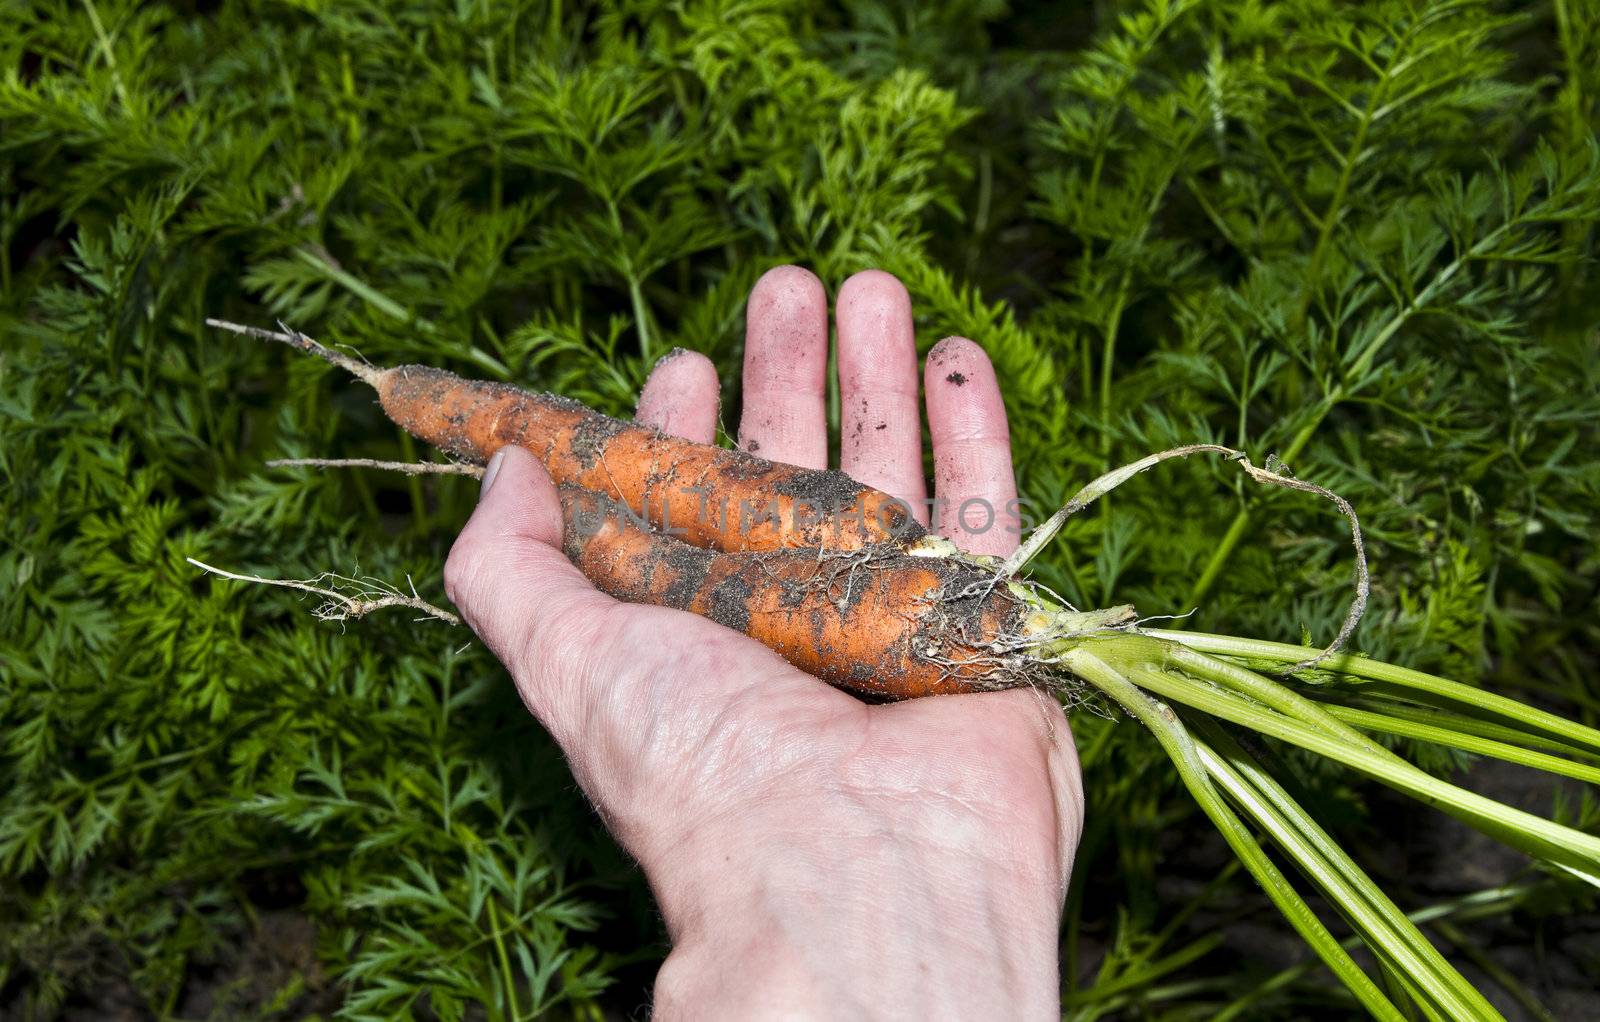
x,y
767,922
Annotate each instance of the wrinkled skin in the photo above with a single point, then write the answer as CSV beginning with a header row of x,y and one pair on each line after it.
x,y
812,855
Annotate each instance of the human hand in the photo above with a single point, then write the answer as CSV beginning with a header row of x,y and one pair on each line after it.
x,y
811,854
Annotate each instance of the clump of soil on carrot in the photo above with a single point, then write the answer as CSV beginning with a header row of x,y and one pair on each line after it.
x,y
824,491
687,566
591,435
747,466
730,603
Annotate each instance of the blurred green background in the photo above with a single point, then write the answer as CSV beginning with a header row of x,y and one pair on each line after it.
x,y
1360,235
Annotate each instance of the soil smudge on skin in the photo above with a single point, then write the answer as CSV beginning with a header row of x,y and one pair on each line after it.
x,y
957,379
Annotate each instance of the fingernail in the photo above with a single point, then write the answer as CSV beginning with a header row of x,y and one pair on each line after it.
x,y
490,471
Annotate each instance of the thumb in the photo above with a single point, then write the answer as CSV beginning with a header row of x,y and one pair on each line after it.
x,y
514,587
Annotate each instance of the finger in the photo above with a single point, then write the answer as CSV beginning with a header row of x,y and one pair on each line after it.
x,y
881,423
785,369
975,493
682,397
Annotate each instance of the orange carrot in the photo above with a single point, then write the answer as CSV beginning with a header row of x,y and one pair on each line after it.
x,y
708,496
834,576
880,621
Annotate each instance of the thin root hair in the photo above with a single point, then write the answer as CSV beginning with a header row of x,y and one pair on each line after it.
x,y
295,339
370,594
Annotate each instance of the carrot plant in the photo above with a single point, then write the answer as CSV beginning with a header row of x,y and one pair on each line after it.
x,y
1359,235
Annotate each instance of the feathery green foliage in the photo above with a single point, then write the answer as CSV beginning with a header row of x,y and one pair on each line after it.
x,y
1357,234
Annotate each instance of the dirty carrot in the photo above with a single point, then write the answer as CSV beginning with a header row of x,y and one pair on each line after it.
x,y
886,622
707,496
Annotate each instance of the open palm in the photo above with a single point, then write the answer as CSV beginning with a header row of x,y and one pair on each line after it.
x,y
808,851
